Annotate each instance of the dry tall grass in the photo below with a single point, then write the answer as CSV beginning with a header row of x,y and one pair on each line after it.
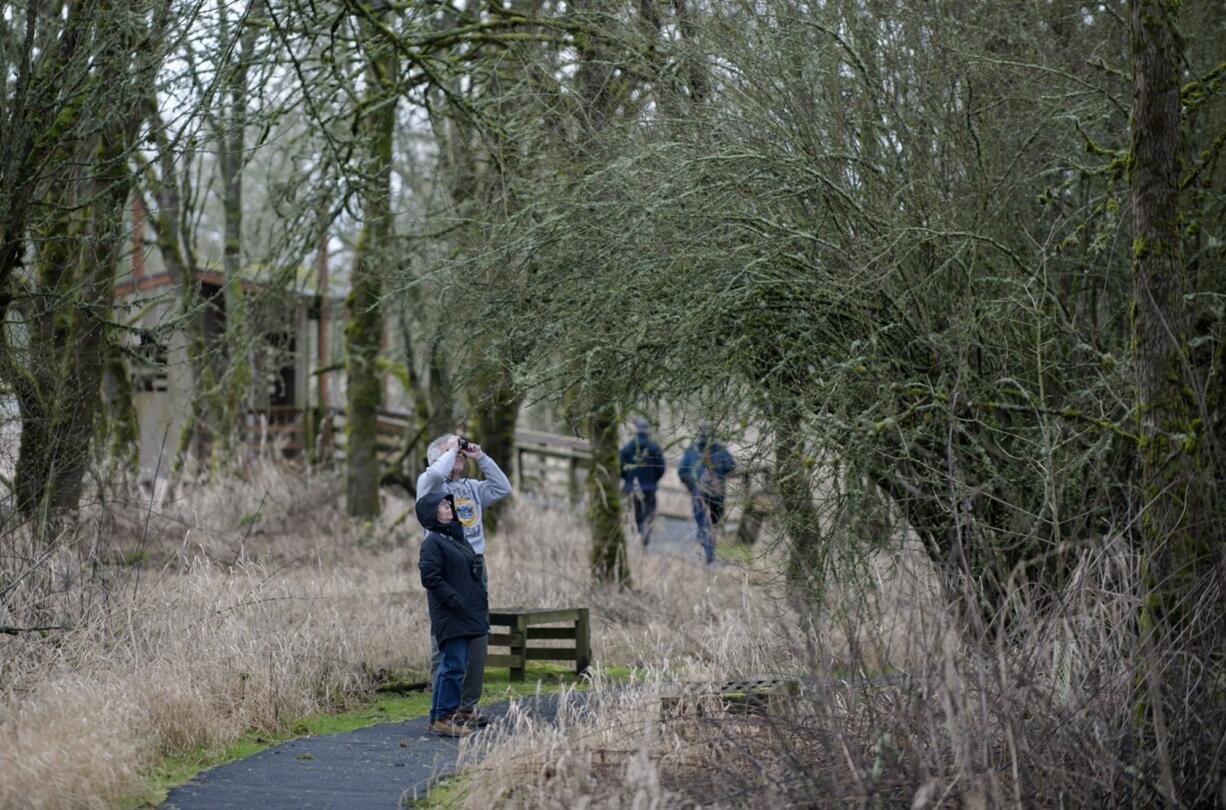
x,y
257,602
895,709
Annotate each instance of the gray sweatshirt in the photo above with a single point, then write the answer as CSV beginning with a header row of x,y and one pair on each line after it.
x,y
471,495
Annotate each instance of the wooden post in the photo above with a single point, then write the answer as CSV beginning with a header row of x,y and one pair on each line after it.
x,y
583,641
138,242
572,479
321,340
519,648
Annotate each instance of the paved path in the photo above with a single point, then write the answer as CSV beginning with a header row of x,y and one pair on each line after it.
x,y
677,537
374,768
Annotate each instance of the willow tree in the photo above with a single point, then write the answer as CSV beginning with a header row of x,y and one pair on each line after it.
x,y
872,241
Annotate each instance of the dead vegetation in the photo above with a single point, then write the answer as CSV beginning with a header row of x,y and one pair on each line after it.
x,y
231,607
239,609
894,709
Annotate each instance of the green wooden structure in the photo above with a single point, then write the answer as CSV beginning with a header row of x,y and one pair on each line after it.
x,y
525,625
760,695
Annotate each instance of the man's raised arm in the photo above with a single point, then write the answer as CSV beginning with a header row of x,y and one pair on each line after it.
x,y
436,474
496,485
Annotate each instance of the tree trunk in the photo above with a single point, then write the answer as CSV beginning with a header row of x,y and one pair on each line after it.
x,y
81,403
1173,526
492,413
364,332
1176,550
46,390
60,397
231,367
797,514
609,564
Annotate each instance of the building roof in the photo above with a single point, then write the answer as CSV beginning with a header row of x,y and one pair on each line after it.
x,y
301,280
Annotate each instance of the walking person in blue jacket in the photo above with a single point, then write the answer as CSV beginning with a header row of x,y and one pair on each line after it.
x,y
704,468
448,457
454,578
642,467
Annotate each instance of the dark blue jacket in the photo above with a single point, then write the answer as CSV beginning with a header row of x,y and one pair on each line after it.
x,y
453,575
704,467
642,461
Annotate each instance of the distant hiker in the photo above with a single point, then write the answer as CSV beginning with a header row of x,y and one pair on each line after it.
x,y
704,468
642,466
454,579
448,457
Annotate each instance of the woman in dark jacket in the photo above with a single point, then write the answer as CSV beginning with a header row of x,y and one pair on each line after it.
x,y
459,606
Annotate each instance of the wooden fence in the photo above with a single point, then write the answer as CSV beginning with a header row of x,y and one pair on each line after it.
x,y
549,466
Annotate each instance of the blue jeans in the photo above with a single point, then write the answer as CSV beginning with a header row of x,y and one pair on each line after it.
x,y
453,656
708,512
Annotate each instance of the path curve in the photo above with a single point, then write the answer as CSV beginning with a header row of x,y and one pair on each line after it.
x,y
379,767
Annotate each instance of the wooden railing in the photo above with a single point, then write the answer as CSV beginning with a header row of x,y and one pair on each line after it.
x,y
524,625
278,428
556,466
291,430
546,465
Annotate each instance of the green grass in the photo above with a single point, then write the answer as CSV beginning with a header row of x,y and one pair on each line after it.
x,y
448,792
734,552
178,769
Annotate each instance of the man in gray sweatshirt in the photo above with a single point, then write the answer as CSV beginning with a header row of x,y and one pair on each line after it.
x,y
448,463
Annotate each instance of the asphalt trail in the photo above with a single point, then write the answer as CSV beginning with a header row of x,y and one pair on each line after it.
x,y
379,767
375,768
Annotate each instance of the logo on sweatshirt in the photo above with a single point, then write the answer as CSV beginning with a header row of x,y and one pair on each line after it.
x,y
466,511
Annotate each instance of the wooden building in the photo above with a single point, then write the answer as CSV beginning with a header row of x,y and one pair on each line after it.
x,y
290,333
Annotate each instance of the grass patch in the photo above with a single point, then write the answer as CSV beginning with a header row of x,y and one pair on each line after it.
x,y
734,552
446,793
385,708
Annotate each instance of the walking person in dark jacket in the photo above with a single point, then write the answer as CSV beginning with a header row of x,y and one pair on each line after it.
x,y
703,469
454,578
642,465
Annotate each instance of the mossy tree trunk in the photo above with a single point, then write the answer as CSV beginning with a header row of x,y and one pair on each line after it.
x,y
797,512
41,452
364,332
80,405
230,368
1176,546
604,509
1172,470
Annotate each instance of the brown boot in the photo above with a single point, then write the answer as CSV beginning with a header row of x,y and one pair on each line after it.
x,y
471,718
449,727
